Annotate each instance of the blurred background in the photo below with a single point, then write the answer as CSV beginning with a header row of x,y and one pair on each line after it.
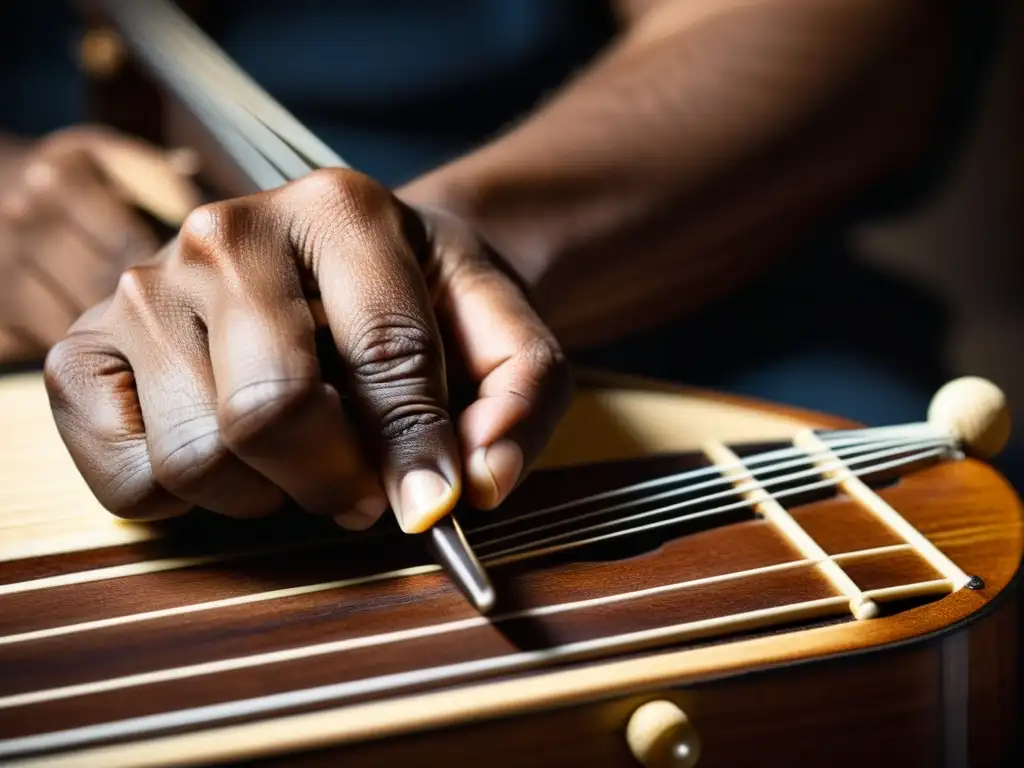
x,y
961,244
966,243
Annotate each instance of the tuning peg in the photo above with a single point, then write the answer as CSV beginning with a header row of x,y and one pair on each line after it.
x,y
974,411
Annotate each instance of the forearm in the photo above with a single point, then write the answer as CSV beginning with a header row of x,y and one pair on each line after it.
x,y
701,144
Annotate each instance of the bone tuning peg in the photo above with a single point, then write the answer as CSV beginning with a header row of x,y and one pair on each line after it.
x,y
975,412
660,735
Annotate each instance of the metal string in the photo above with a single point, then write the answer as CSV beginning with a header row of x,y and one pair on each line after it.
x,y
558,543
845,440
853,453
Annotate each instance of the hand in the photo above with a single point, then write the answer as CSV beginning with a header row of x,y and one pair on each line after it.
x,y
199,383
68,228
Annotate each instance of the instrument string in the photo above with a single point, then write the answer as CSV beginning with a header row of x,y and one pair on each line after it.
x,y
204,715
249,94
846,442
248,123
144,24
422,632
755,460
853,455
566,541
522,552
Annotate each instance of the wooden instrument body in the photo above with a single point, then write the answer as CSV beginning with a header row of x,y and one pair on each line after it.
x,y
926,685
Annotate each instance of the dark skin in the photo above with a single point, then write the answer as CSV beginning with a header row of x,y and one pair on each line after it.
x,y
681,162
199,383
67,230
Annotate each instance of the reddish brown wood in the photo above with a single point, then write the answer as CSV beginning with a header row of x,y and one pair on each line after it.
x,y
962,506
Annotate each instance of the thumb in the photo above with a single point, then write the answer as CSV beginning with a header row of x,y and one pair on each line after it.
x,y
524,383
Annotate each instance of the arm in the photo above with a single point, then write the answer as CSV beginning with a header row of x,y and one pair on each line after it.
x,y
699,146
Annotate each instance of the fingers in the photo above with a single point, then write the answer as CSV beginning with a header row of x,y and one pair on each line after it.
x,y
376,302
32,306
197,384
92,395
66,181
64,237
178,400
524,381
48,250
146,176
138,412
274,410
204,367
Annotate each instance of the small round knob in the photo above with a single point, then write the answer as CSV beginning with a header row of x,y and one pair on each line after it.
x,y
975,412
660,735
101,52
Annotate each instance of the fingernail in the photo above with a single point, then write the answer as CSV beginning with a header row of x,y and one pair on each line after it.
x,y
425,498
363,513
495,471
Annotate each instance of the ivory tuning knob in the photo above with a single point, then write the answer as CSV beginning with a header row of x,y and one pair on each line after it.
x,y
660,735
974,411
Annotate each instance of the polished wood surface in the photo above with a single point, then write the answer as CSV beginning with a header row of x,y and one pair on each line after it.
x,y
81,646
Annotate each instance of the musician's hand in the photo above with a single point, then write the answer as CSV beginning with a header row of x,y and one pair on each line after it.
x,y
198,383
68,229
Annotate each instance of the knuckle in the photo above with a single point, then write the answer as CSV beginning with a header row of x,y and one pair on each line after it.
x,y
98,433
468,272
393,349
252,414
409,421
346,196
44,173
332,183
206,233
188,454
16,206
544,356
136,288
72,137
397,361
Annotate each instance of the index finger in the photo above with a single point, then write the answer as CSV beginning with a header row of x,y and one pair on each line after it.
x,y
376,302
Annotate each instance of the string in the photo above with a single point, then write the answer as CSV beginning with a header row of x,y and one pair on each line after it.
x,y
206,714
208,82
518,662
250,94
402,635
498,558
606,643
212,109
524,551
847,441
850,454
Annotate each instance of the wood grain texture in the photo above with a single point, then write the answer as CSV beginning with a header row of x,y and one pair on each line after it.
x,y
624,431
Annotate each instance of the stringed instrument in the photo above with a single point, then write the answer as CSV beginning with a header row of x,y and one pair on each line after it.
x,y
687,578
